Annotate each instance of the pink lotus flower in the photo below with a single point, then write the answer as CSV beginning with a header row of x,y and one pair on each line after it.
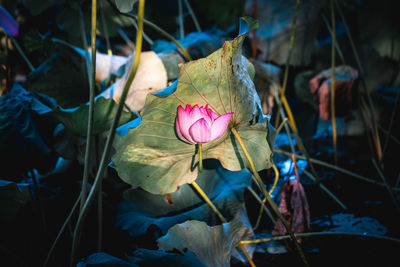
x,y
199,125
8,23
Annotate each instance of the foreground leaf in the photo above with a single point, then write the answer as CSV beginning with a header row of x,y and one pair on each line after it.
x,y
141,209
212,245
142,257
153,157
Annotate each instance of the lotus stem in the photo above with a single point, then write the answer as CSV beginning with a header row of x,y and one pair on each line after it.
x,y
220,216
267,196
39,201
333,77
158,29
285,78
269,193
110,138
261,201
145,36
390,191
89,136
180,19
21,52
322,163
314,234
200,157
105,28
85,44
66,222
329,193
338,50
195,21
281,126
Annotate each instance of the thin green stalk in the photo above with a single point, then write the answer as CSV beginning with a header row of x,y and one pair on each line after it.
x,y
281,125
126,39
389,135
300,145
314,234
85,44
285,78
89,136
385,146
105,28
333,77
269,199
105,156
200,157
66,222
327,191
180,19
325,164
21,52
145,36
39,203
158,29
195,21
269,193
389,189
261,201
339,51
220,216
168,36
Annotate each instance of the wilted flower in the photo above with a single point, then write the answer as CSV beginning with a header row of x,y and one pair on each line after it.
x,y
199,125
8,23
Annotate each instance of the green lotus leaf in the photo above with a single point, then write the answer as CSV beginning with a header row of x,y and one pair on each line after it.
x,y
153,157
76,119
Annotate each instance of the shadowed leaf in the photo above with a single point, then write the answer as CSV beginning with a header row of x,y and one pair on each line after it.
x,y
141,209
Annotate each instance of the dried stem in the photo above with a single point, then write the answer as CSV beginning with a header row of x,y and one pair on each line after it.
x,y
314,234
285,78
269,199
333,77
325,164
389,189
269,193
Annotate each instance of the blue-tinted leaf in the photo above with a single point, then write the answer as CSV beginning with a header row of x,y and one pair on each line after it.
x,y
142,209
168,90
142,257
25,134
